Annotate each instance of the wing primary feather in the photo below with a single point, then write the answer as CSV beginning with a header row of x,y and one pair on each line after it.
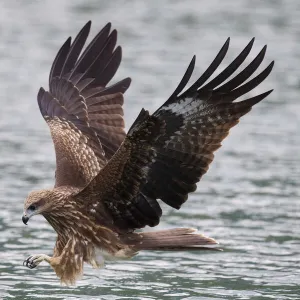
x,y
99,62
76,48
250,85
110,69
40,97
209,71
186,77
230,69
59,60
254,100
91,51
244,75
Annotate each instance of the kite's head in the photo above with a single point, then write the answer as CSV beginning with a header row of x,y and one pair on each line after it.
x,y
37,202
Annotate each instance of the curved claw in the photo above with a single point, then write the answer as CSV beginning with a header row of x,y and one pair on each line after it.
x,y
26,261
31,262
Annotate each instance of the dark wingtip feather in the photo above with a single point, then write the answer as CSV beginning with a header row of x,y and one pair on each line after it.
x,y
88,56
243,75
110,69
40,97
183,82
250,44
60,59
209,71
226,44
271,65
76,48
225,74
126,83
250,85
108,25
41,92
269,68
254,100
186,77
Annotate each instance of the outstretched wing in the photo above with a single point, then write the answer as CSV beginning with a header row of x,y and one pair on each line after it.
x,y
84,115
166,154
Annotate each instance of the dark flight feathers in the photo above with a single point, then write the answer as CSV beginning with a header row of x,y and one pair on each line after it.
x,y
166,161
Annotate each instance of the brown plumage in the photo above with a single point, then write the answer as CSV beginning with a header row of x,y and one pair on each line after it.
x,y
108,183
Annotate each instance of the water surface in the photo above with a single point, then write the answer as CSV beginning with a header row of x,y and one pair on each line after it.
x,y
248,201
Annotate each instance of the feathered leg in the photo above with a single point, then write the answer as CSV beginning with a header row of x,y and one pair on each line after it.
x,y
68,266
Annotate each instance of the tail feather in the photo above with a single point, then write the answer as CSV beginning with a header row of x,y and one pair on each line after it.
x,y
178,239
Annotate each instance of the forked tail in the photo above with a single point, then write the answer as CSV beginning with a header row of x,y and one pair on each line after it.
x,y
177,239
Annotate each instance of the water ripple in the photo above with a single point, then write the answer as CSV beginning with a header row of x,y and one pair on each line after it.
x,y
248,201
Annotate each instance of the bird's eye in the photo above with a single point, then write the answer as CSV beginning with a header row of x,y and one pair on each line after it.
x,y
31,207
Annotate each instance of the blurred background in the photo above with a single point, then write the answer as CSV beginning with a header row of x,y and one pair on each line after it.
x,y
249,199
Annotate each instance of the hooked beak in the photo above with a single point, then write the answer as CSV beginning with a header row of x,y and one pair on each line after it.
x,y
25,219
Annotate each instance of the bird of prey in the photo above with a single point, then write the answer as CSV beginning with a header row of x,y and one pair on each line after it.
x,y
108,183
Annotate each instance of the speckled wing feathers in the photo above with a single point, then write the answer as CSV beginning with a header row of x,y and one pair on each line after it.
x,y
76,145
120,181
168,165
80,109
